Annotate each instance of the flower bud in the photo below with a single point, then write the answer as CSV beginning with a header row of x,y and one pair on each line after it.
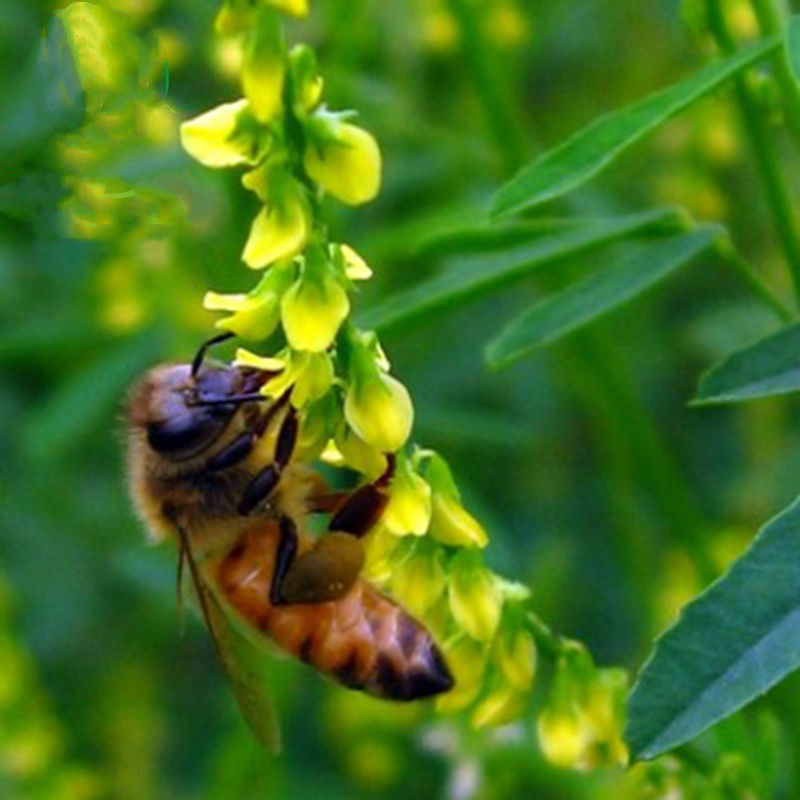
x,y
281,228
318,423
419,580
377,406
475,600
451,523
216,137
255,315
503,705
234,17
563,736
314,308
515,655
342,158
467,662
409,508
307,84
263,68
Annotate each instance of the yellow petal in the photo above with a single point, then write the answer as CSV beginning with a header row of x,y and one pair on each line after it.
x,y
312,311
244,358
358,455
466,660
209,138
502,706
357,269
475,602
314,378
263,68
297,8
452,524
214,301
276,234
348,167
516,657
419,581
379,409
563,737
409,508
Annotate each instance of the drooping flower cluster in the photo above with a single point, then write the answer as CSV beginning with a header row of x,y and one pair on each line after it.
x,y
426,550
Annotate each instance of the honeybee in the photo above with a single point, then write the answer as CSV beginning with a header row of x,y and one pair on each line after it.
x,y
211,465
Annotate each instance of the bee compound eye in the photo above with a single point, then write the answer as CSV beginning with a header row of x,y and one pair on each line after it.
x,y
185,435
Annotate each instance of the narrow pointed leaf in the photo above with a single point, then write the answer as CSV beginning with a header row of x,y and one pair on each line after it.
x,y
793,46
601,292
592,149
730,645
769,367
485,274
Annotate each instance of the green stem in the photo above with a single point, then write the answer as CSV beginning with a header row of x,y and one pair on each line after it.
x,y
770,20
549,643
493,90
745,270
757,131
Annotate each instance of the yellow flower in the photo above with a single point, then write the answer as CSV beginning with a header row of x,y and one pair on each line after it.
x,y
502,706
451,523
356,454
314,377
419,580
281,228
317,426
563,736
515,654
409,508
343,158
379,567
263,68
234,17
467,662
214,139
378,408
254,315
475,600
313,309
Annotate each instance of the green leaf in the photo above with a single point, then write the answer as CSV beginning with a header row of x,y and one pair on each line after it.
x,y
596,295
730,645
769,367
482,275
592,149
793,46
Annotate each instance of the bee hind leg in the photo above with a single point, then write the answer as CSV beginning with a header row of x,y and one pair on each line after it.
x,y
324,573
363,508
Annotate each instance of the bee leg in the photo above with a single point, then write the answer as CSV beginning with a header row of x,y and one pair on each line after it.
x,y
363,508
241,447
284,556
262,485
324,573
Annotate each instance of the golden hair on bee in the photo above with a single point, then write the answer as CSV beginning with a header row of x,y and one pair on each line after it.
x,y
210,462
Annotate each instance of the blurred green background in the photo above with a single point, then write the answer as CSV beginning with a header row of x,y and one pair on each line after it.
x,y
596,482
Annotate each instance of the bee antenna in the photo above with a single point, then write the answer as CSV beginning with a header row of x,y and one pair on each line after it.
x,y
197,362
233,398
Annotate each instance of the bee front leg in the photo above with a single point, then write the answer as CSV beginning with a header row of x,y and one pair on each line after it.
x,y
263,484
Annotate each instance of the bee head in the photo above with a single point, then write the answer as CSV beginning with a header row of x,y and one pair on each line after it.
x,y
184,410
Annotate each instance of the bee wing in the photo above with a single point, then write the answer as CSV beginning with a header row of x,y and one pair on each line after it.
x,y
243,660
245,664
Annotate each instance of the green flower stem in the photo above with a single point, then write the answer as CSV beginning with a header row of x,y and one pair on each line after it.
x,y
745,270
769,168
493,90
548,643
770,20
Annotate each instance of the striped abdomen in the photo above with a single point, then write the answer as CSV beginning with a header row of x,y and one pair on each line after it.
x,y
363,640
